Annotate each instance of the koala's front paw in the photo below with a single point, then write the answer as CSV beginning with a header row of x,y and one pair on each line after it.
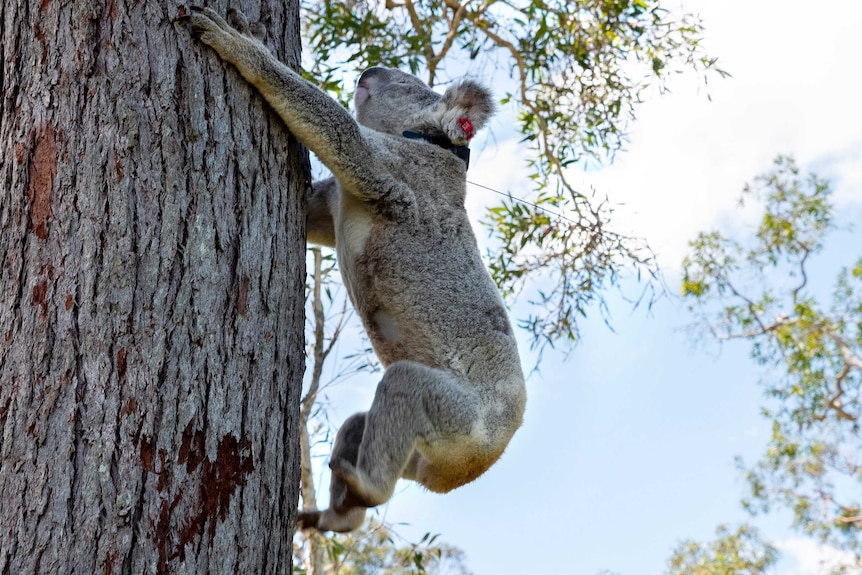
x,y
360,492
214,31
206,25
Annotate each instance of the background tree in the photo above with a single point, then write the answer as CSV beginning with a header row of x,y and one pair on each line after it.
x,y
577,71
761,290
376,549
151,297
310,553
740,552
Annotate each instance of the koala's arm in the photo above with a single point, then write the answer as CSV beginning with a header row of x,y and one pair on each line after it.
x,y
322,198
315,119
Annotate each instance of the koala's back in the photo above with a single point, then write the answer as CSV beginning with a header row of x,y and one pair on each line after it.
x,y
418,281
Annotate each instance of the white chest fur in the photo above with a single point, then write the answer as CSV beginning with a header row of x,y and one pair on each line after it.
x,y
353,226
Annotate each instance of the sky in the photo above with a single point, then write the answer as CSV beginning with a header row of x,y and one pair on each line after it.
x,y
628,443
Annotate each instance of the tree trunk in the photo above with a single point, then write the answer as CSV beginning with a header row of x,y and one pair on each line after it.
x,y
152,261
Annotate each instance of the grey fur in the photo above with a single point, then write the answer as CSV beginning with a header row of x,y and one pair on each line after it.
x,y
453,392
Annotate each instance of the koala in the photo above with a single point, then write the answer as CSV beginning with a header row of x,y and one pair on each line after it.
x,y
452,394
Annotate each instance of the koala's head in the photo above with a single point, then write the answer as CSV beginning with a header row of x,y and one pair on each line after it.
x,y
392,101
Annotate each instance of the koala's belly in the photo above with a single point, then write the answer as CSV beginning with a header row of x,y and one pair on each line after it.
x,y
353,226
463,329
352,233
424,295
396,337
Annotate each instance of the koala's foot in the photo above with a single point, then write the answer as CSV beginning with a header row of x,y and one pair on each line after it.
x,y
330,520
361,491
307,519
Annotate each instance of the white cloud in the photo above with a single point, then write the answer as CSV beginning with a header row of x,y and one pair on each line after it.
x,y
810,557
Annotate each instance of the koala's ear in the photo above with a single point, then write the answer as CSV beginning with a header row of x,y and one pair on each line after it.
x,y
467,107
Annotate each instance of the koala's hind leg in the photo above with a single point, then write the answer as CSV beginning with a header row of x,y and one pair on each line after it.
x,y
346,448
415,406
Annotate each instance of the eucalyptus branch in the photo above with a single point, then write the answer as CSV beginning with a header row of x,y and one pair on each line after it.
x,y
336,330
307,488
853,519
805,253
851,361
319,355
546,148
752,307
834,402
416,22
458,13
847,354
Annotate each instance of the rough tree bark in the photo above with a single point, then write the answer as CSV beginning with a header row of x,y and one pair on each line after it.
x,y
151,296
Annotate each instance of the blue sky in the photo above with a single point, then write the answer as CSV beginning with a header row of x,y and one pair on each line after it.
x,y
628,444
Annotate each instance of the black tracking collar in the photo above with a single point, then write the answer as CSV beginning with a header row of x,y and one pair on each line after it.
x,y
462,152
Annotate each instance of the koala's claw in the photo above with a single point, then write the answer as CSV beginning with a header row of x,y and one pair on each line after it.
x,y
199,21
208,26
257,30
239,20
212,15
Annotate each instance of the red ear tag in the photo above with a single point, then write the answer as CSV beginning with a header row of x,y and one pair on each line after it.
x,y
467,126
